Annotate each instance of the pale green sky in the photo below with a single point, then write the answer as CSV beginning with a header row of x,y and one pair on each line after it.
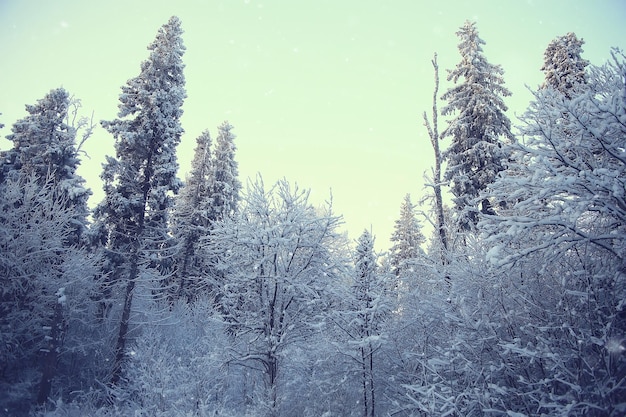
x,y
328,94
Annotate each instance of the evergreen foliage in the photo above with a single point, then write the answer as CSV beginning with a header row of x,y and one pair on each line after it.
x,y
564,67
207,305
479,125
210,195
140,180
370,309
407,238
194,202
192,218
44,147
226,185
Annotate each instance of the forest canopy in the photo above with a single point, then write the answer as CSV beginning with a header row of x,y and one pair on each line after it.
x,y
214,296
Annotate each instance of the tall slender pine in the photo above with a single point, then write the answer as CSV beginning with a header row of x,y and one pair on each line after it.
x,y
479,124
140,180
226,185
192,217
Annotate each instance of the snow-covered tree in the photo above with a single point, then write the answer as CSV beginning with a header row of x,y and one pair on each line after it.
x,y
563,65
407,238
433,133
44,146
46,288
564,230
211,194
226,185
194,202
140,180
178,365
449,362
534,321
368,308
192,217
276,262
479,125
568,172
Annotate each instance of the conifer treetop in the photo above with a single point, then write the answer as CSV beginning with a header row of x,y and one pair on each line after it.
x,y
479,125
564,66
407,236
44,147
148,129
477,98
226,186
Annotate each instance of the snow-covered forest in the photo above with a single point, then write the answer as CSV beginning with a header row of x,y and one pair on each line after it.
x,y
215,295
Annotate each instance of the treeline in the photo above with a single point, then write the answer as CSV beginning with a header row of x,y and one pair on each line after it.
x,y
208,298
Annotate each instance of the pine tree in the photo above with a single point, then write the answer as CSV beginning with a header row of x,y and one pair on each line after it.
x,y
44,147
140,180
211,195
195,197
226,185
475,156
193,214
369,292
563,66
407,238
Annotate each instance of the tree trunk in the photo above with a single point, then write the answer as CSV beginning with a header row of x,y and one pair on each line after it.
x,y
272,368
51,352
367,367
120,347
433,132
182,274
371,378
364,366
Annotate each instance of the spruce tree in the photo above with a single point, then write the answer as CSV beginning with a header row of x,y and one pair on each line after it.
x,y
226,185
192,216
140,180
479,124
195,197
210,195
564,66
370,307
44,147
407,238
